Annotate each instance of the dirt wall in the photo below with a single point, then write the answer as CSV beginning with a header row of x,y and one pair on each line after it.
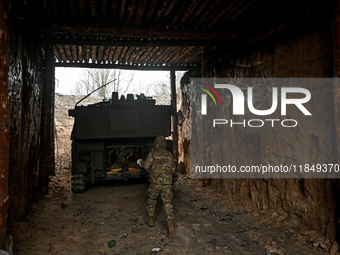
x,y
312,203
4,137
25,83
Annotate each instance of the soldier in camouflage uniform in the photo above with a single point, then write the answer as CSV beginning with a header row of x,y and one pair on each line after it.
x,y
123,156
162,165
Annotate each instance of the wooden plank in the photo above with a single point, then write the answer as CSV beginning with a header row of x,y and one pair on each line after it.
x,y
160,11
212,12
126,67
142,59
180,12
134,55
116,54
56,53
68,52
112,14
189,12
100,54
174,54
93,54
197,13
160,54
171,6
168,14
167,54
87,54
140,12
150,12
106,53
93,9
128,55
74,52
122,54
73,9
139,54
134,32
194,58
61,51
177,58
103,12
122,12
82,10
138,42
80,53
247,7
223,12
154,55
150,55
130,12
112,51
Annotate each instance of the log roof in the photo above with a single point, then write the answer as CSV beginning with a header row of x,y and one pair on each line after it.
x,y
156,34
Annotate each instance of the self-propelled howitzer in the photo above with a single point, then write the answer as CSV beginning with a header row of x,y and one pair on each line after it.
x,y
108,137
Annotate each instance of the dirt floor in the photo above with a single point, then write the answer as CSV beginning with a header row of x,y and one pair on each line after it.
x,y
85,223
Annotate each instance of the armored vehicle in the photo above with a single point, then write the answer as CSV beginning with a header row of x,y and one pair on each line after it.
x,y
108,137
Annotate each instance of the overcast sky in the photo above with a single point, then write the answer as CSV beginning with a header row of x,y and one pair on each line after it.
x,y
66,79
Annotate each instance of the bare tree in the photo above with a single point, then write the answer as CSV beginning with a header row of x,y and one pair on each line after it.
x,y
91,79
164,88
84,86
161,88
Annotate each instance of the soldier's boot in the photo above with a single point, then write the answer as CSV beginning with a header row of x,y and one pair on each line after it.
x,y
150,220
124,168
171,229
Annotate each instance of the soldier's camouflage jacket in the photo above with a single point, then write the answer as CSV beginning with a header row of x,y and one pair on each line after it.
x,y
161,162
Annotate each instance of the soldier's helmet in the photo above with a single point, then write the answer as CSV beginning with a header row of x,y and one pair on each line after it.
x,y
160,142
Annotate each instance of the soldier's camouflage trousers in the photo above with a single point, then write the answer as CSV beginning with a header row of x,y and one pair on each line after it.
x,y
166,195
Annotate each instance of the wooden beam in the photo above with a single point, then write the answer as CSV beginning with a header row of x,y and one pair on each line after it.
x,y
174,113
206,69
133,32
336,72
4,125
46,166
126,67
135,42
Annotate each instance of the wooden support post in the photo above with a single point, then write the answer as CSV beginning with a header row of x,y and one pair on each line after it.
x,y
206,70
336,72
47,166
4,126
174,112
